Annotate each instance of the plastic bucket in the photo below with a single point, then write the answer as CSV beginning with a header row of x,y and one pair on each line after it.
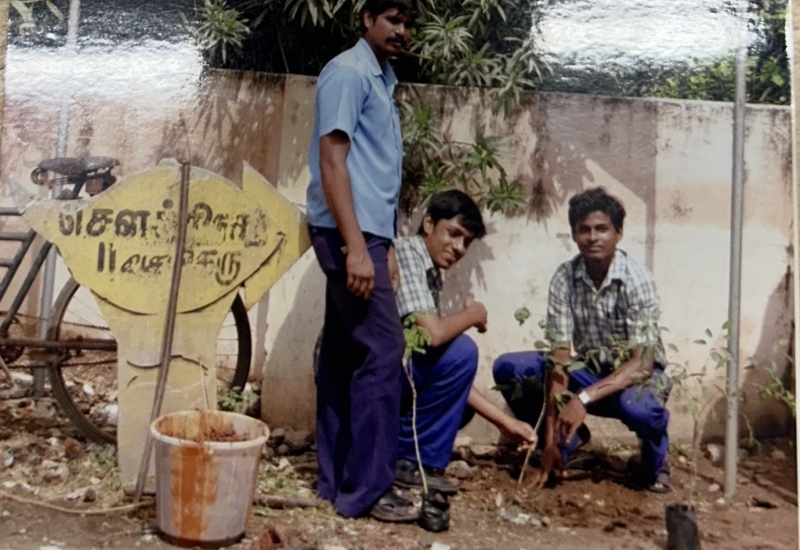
x,y
206,471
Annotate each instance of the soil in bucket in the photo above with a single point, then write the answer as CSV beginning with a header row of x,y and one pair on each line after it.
x,y
206,472
682,533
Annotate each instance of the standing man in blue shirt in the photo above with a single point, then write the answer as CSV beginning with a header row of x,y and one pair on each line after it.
x,y
355,160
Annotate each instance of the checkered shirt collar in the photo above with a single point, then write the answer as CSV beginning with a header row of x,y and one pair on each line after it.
x,y
618,270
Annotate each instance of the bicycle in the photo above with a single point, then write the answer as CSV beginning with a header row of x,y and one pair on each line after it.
x,y
79,351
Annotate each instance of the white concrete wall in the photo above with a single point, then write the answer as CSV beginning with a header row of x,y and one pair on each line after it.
x,y
669,162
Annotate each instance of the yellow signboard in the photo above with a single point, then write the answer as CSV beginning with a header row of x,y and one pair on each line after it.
x,y
121,243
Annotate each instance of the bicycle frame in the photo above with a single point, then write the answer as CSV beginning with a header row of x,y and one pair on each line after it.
x,y
12,266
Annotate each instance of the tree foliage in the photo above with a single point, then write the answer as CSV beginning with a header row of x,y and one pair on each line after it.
x,y
478,43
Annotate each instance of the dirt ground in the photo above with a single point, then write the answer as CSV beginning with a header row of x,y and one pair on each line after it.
x,y
42,461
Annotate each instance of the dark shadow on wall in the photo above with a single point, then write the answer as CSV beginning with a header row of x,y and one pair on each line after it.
x,y
235,117
288,392
459,279
760,417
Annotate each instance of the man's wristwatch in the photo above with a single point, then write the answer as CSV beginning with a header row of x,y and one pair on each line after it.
x,y
584,398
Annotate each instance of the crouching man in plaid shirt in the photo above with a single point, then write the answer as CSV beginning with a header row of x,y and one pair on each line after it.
x,y
604,303
443,376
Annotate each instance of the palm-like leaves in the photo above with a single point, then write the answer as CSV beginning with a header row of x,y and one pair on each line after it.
x,y
434,163
219,27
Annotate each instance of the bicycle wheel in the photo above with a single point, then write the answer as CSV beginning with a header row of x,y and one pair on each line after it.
x,y
84,382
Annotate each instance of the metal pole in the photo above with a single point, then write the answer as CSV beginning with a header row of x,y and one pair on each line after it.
x,y
169,328
735,285
794,48
49,275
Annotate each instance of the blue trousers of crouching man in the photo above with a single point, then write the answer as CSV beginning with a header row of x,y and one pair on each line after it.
x,y
443,378
640,407
358,379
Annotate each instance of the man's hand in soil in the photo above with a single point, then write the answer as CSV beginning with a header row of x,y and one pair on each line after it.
x,y
360,272
479,310
394,270
519,432
551,464
570,418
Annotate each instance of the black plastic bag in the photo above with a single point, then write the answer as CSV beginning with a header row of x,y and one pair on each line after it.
x,y
435,513
682,533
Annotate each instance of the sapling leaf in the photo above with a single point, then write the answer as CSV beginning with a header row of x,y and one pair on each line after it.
x,y
576,365
522,314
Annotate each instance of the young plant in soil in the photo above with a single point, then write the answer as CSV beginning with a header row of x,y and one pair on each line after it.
x,y
237,401
416,340
435,512
546,346
696,395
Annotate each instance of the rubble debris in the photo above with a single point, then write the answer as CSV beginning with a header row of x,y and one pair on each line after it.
x,y
715,453
459,469
484,452
54,472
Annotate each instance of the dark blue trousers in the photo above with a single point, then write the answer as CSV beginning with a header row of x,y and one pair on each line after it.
x,y
443,378
358,381
639,408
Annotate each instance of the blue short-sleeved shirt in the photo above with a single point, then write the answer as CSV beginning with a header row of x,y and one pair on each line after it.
x,y
354,95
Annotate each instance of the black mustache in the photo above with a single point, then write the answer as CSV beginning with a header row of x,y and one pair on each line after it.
x,y
397,41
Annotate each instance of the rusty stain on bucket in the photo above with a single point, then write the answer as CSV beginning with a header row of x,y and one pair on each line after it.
x,y
195,491
192,467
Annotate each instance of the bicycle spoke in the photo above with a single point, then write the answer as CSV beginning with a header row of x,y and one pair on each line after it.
x,y
85,381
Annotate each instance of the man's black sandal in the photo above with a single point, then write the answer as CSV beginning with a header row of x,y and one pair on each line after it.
x,y
394,509
662,484
407,475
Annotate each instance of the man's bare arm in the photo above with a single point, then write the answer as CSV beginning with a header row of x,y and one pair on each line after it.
x,y
639,367
333,150
444,329
510,427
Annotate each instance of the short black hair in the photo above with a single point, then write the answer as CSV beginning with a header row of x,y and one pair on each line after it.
x,y
596,200
456,204
409,8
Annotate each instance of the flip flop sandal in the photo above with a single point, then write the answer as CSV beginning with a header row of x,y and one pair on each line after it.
x,y
662,484
394,509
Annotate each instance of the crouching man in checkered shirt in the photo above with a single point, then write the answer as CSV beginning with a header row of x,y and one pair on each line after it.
x,y
604,303
443,375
